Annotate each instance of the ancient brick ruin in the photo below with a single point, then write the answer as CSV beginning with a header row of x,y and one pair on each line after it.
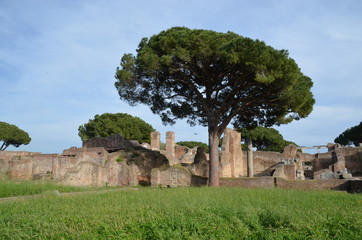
x,y
114,161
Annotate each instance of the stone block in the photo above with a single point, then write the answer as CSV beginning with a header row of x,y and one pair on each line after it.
x,y
174,176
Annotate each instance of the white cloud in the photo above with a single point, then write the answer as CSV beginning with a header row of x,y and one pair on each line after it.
x,y
323,125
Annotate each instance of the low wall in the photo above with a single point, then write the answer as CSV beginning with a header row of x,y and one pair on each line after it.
x,y
257,182
325,184
270,182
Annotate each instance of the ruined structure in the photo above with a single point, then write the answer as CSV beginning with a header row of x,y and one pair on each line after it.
x,y
338,162
195,160
114,161
109,161
231,162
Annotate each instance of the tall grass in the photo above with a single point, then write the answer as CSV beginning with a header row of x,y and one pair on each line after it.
x,y
186,213
21,188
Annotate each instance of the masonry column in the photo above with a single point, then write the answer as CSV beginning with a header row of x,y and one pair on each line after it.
x,y
155,140
231,155
250,161
170,144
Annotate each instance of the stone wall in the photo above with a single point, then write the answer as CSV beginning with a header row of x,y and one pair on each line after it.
x,y
323,161
353,159
117,162
338,161
288,164
87,166
265,162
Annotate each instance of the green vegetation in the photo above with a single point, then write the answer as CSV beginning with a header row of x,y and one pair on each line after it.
x,y
186,213
22,188
162,146
214,79
265,139
119,158
350,136
192,144
108,124
12,135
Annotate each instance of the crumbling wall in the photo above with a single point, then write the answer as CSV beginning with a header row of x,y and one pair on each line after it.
x,y
200,166
323,161
114,161
288,164
353,159
265,162
338,162
88,166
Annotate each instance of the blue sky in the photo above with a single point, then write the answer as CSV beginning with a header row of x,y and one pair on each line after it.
x,y
58,59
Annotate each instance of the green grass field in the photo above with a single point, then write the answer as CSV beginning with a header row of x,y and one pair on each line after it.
x,y
22,188
186,213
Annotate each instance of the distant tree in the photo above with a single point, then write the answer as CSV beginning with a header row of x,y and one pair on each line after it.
x,y
350,136
108,124
12,135
265,139
192,144
214,79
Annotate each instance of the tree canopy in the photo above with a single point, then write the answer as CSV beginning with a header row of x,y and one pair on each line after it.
x,y
214,79
108,124
350,136
266,139
192,144
12,135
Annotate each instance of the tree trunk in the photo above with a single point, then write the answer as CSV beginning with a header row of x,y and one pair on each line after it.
x,y
4,146
250,159
214,159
